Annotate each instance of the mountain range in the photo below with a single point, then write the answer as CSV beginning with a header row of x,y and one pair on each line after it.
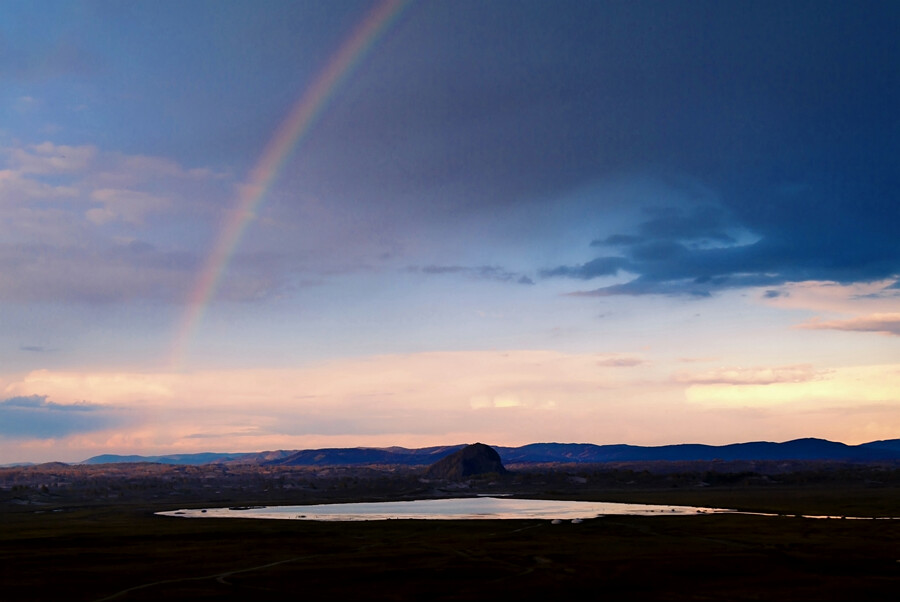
x,y
537,453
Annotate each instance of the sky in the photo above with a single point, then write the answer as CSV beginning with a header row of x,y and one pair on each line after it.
x,y
243,226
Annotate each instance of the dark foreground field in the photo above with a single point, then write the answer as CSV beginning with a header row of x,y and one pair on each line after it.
x,y
124,552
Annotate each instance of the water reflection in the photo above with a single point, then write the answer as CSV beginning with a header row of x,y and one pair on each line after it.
x,y
445,509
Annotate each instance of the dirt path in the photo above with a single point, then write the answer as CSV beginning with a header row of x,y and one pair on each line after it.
x,y
220,577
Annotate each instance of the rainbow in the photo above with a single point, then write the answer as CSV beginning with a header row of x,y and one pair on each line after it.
x,y
287,137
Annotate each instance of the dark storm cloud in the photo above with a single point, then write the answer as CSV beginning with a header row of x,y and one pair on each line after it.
x,y
786,111
843,233
616,239
34,416
706,223
505,99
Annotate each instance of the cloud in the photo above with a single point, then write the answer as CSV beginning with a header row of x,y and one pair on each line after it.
x,y
529,120
34,417
505,397
498,401
751,376
696,360
48,158
642,286
697,248
404,394
805,169
34,349
602,266
485,272
120,272
620,361
85,176
703,225
126,205
686,248
874,297
18,187
800,388
888,323
84,225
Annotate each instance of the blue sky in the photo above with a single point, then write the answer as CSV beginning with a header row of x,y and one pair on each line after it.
x,y
609,222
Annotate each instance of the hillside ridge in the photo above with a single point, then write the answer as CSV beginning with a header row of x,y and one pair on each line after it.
x,y
536,453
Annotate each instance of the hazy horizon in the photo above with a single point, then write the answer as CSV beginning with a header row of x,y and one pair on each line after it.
x,y
302,225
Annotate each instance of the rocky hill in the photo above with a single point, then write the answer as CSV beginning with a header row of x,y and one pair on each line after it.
x,y
471,460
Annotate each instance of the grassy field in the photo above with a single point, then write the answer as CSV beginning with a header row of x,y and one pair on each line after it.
x,y
124,552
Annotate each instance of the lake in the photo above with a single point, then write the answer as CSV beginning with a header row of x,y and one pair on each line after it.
x,y
445,509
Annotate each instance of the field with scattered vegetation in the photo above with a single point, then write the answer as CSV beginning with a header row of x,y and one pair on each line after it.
x,y
90,533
